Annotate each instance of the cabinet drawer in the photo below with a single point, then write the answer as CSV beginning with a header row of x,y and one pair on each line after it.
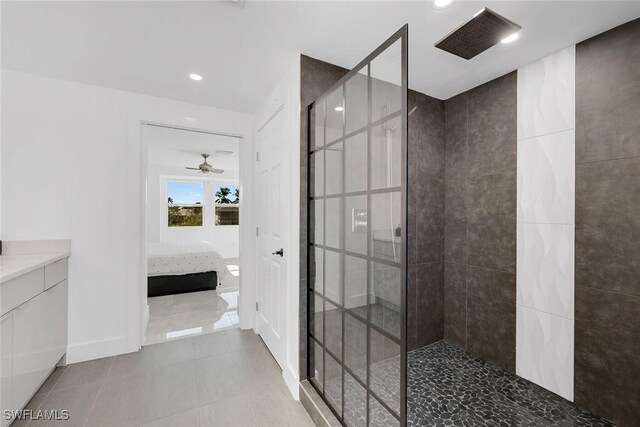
x,y
21,289
39,341
55,273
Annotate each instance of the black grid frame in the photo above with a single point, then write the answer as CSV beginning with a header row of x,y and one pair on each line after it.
x,y
314,295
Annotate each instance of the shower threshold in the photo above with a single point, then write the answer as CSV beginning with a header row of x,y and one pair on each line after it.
x,y
448,386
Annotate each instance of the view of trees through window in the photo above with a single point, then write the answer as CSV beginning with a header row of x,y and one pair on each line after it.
x,y
184,203
227,204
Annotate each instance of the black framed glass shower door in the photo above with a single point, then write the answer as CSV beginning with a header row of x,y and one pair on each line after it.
x,y
357,240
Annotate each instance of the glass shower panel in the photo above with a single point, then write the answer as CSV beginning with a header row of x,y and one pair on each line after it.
x,y
333,329
384,298
317,328
357,101
357,233
333,276
316,269
333,223
355,279
386,83
355,353
333,169
316,219
355,157
386,226
316,375
356,220
317,125
355,402
316,181
386,144
333,382
334,129
384,370
379,416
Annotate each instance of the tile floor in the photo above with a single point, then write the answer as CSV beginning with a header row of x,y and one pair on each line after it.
x,y
177,316
221,379
449,386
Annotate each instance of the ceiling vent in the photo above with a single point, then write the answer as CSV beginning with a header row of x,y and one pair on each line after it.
x,y
481,32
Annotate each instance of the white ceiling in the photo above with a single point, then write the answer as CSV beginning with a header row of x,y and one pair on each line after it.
x,y
150,47
174,149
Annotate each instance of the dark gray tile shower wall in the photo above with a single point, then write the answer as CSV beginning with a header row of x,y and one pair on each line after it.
x,y
607,277
480,220
426,221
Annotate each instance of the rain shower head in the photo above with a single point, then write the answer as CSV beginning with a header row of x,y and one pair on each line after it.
x,y
484,30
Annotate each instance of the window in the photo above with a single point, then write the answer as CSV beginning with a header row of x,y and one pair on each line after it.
x,y
227,204
184,203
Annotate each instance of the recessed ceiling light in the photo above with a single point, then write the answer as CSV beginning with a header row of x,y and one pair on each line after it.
x,y
196,77
339,108
510,38
441,4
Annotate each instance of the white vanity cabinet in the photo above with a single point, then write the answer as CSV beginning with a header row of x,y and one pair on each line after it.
x,y
6,361
34,331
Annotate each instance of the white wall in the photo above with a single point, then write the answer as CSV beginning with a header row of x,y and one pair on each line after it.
x,y
72,168
226,238
546,222
287,94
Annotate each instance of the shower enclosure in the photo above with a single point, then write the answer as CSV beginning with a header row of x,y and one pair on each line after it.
x,y
357,270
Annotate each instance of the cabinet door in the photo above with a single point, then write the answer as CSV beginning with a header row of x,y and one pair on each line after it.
x,y
39,341
57,301
6,364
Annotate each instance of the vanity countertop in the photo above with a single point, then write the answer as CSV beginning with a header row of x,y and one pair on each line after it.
x,y
23,256
14,265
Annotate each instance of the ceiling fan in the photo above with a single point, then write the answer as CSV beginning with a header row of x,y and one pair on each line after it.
x,y
206,167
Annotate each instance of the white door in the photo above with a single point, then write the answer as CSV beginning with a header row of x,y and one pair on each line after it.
x,y
272,219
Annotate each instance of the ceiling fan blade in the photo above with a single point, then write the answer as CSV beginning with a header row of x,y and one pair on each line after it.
x,y
217,170
193,169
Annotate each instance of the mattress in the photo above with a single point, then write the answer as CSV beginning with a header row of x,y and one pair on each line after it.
x,y
172,259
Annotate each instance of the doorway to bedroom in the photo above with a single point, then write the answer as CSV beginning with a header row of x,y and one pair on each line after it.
x,y
193,202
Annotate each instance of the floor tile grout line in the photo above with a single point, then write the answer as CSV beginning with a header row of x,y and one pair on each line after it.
x,y
53,386
93,404
83,384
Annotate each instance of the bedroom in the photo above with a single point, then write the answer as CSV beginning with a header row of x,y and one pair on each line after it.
x,y
192,235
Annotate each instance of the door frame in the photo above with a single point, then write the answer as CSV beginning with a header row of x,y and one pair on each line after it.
x,y
136,310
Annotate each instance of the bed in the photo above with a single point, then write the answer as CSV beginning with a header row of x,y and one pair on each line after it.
x,y
176,268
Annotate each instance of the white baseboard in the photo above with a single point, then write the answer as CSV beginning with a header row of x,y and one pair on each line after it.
x,y
96,349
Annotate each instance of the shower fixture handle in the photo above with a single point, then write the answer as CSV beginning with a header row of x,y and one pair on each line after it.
x,y
278,252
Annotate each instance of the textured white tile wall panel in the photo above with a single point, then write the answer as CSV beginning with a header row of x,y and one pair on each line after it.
x,y
546,95
545,274
546,179
546,222
544,354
